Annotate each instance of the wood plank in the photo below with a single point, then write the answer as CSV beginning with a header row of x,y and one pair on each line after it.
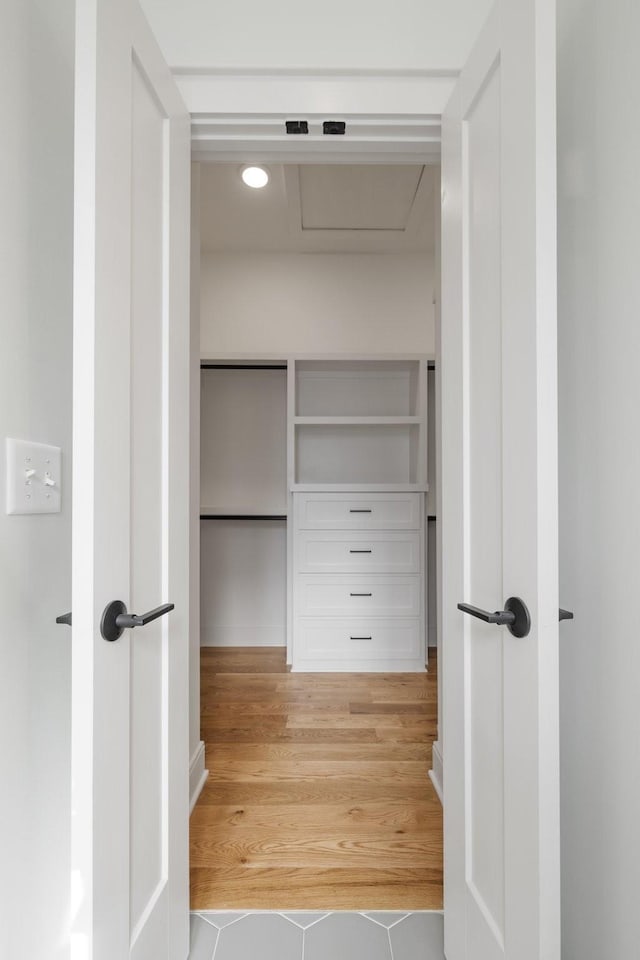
x,y
400,694
373,690
353,818
281,734
407,734
241,681
222,752
312,791
221,696
240,888
371,771
293,850
270,708
419,707
349,721
246,660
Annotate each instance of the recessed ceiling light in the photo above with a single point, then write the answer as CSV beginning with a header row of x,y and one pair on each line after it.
x,y
255,177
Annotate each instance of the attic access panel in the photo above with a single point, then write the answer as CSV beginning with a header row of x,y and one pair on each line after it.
x,y
358,197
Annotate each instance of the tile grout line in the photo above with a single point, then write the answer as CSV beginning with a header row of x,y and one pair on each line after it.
x,y
399,920
390,944
379,923
298,926
323,917
215,949
237,920
372,920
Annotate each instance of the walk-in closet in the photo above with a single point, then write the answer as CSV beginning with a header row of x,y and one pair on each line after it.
x,y
317,539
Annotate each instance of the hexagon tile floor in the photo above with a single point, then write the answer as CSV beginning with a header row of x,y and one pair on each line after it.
x,y
316,936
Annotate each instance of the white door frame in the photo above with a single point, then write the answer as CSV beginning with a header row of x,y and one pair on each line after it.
x,y
390,119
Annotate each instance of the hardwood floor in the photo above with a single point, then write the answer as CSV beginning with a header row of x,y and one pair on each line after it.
x,y
318,796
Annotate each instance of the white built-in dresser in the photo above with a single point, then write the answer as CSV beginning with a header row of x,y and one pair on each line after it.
x,y
357,477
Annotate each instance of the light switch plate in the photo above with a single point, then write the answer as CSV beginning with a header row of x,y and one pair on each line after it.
x,y
33,477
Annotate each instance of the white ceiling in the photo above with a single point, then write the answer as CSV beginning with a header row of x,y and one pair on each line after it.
x,y
313,208
342,35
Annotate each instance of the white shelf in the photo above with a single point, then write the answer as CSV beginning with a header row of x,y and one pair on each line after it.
x,y
356,421
357,453
357,388
356,424
359,488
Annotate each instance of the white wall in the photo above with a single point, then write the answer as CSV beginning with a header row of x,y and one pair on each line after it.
x,y
287,34
599,310
296,303
243,440
243,583
36,170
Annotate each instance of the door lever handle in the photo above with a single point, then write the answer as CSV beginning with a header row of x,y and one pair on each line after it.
x,y
565,614
126,620
500,617
515,616
115,619
64,618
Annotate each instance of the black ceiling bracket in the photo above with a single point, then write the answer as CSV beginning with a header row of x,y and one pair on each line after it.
x,y
295,127
334,128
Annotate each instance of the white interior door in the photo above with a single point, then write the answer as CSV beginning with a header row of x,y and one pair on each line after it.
x,y
130,496
499,493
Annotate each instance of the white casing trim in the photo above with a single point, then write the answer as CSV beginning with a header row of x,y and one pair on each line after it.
x,y
197,775
239,116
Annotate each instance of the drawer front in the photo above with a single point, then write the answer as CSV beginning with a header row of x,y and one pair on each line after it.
x,y
359,639
349,596
337,511
357,552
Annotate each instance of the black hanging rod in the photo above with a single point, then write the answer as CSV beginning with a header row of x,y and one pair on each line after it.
x,y
243,366
260,366
243,516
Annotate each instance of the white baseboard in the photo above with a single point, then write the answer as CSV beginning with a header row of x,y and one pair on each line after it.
x,y
197,775
267,636
436,770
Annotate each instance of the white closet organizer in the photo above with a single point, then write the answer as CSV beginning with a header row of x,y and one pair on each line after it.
x,y
358,476
313,483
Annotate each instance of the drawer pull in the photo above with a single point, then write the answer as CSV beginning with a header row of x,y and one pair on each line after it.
x,y
360,511
360,594
360,551
361,638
